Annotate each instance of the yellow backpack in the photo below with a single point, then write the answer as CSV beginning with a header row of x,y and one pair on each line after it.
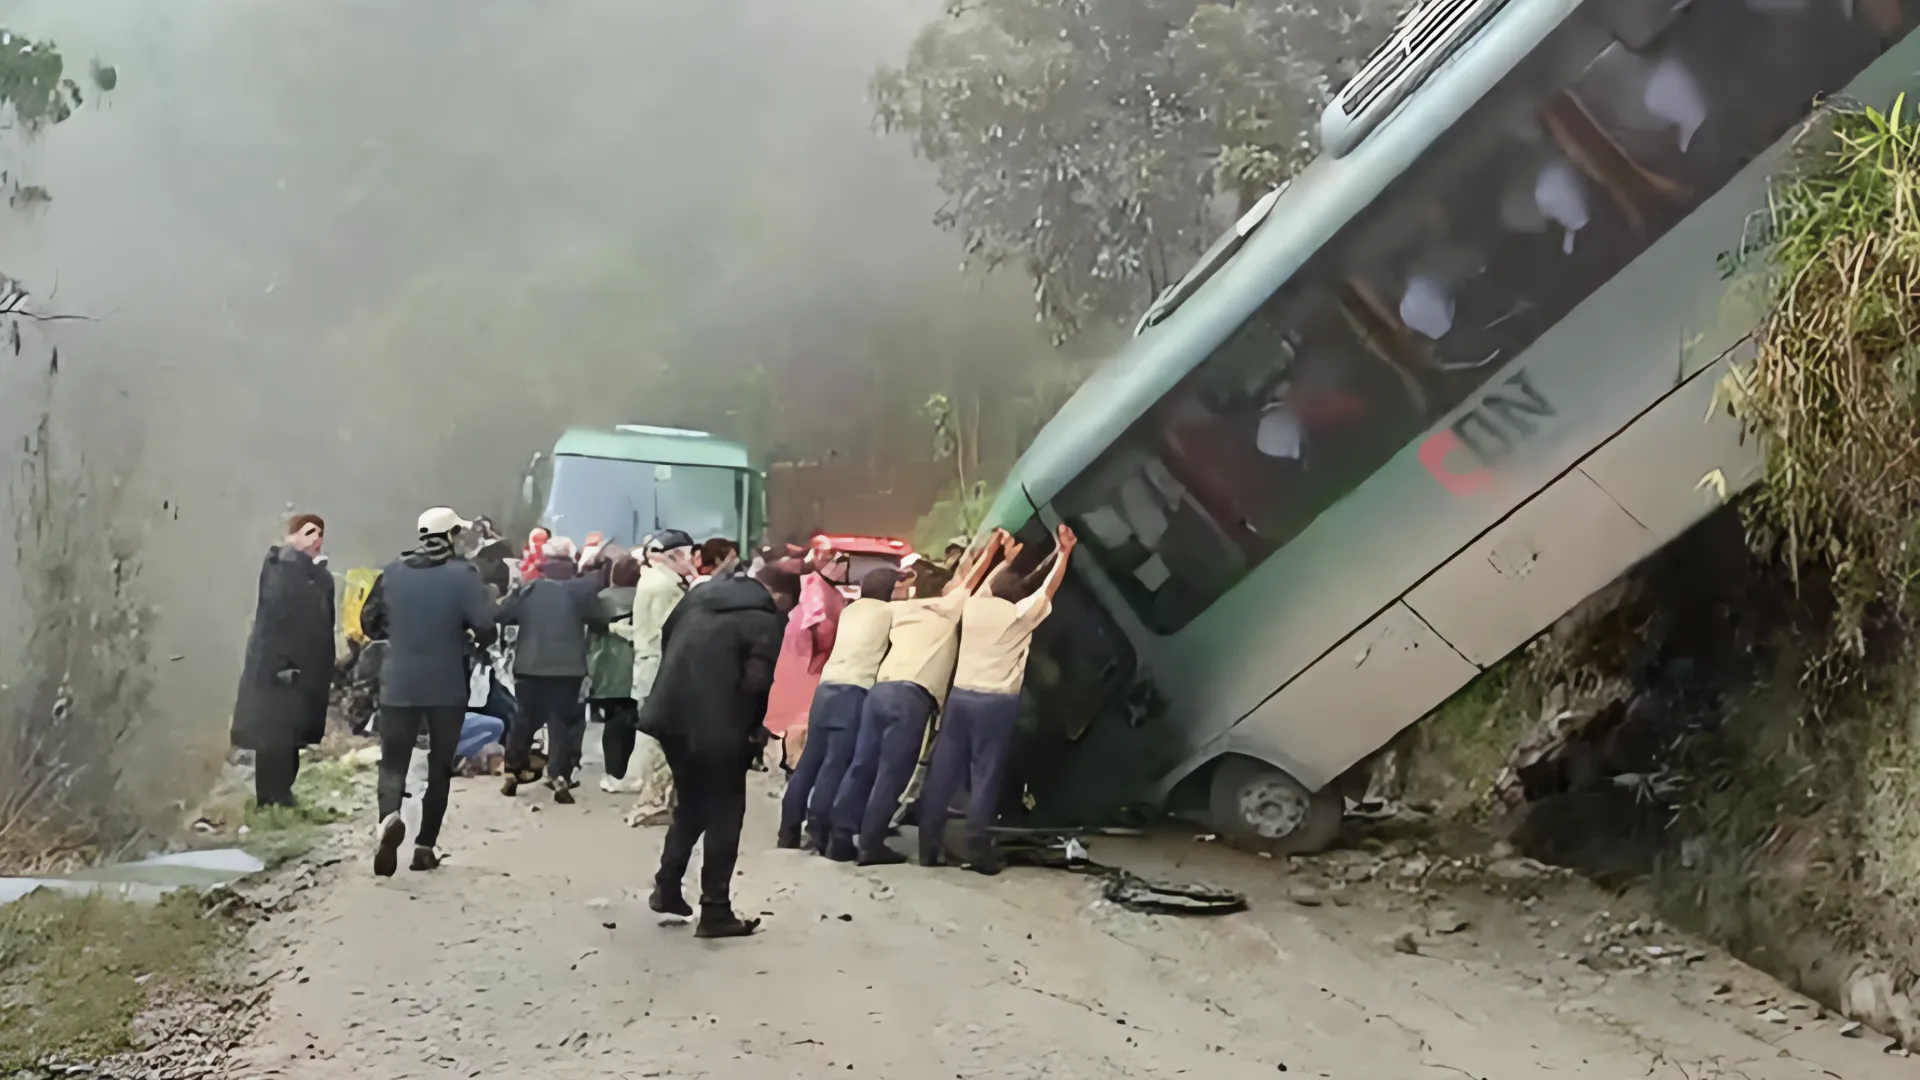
x,y
359,584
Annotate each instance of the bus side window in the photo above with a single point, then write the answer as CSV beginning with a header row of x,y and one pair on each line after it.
x,y
1690,105
1620,124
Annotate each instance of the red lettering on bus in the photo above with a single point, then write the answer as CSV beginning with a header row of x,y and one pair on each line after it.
x,y
1433,454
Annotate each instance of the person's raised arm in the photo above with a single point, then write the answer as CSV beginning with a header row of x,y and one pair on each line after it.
x,y
1057,573
975,572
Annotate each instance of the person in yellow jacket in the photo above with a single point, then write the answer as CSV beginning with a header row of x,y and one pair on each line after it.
x,y
663,581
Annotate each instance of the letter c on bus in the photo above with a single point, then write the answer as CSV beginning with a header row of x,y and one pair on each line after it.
x,y
1433,454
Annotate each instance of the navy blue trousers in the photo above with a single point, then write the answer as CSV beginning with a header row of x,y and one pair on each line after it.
x,y
893,724
833,726
976,734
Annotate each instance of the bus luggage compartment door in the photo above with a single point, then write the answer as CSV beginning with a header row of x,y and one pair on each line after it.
x,y
1561,547
1354,700
1631,496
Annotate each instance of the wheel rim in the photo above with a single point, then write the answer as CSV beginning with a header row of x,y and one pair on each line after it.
x,y
1272,808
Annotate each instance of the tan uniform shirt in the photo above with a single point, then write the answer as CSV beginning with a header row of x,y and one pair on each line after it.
x,y
995,636
860,645
924,642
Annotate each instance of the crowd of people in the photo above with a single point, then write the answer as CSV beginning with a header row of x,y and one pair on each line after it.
x,y
698,668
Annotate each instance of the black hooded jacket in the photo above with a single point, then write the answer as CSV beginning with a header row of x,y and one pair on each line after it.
x,y
718,651
289,667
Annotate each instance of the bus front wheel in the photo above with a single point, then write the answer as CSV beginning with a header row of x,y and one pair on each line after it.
x,y
1259,807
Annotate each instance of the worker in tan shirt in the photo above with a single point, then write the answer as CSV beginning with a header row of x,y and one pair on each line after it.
x,y
976,732
923,643
834,720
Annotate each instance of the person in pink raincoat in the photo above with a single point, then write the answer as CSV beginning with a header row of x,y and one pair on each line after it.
x,y
804,651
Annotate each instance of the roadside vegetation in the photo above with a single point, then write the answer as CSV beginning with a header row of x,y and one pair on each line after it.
x,y
331,786
1739,715
77,971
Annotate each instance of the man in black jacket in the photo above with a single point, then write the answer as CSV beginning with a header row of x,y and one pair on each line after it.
x,y
433,611
282,702
718,651
554,612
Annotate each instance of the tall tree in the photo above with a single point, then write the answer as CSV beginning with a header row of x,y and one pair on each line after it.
x,y
1099,146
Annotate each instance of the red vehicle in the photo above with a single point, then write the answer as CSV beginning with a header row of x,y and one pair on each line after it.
x,y
864,555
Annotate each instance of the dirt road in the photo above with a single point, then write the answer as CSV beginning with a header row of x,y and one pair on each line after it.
x,y
532,950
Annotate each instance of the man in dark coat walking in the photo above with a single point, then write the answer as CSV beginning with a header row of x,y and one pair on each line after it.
x,y
555,613
433,611
284,686
718,651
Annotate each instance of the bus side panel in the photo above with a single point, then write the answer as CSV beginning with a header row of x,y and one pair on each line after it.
x,y
1564,545
1655,468
1382,678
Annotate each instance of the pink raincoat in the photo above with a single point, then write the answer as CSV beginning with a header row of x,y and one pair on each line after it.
x,y
803,652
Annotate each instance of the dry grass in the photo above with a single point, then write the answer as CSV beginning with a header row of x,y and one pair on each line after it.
x,y
77,671
1834,391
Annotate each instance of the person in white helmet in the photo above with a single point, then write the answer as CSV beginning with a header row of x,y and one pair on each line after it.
x,y
433,610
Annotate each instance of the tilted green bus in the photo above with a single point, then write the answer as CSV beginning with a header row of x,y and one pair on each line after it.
x,y
1453,379
630,481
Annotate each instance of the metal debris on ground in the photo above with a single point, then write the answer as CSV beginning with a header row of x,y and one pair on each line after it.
x,y
1123,887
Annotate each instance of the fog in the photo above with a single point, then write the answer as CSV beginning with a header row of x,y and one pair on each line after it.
x,y
364,257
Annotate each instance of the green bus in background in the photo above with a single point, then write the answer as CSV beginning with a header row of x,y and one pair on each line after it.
x,y
1422,401
631,481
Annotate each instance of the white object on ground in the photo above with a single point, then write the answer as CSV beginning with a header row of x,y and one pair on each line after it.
x,y
146,880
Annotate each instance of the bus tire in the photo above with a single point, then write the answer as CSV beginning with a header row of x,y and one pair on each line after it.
x,y
1261,808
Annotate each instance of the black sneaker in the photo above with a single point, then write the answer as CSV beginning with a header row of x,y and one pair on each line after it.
x,y
986,862
510,786
719,921
424,858
840,848
787,840
562,793
881,855
669,903
386,858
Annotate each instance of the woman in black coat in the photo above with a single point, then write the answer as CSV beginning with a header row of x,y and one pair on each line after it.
x,y
282,704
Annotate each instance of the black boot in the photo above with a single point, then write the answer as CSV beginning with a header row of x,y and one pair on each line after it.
x,y
667,901
986,860
719,921
840,848
881,855
788,840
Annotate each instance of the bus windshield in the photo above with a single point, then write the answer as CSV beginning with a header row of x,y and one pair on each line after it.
x,y
624,501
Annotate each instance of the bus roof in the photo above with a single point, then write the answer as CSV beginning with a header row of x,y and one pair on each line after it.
x,y
658,445
1319,202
